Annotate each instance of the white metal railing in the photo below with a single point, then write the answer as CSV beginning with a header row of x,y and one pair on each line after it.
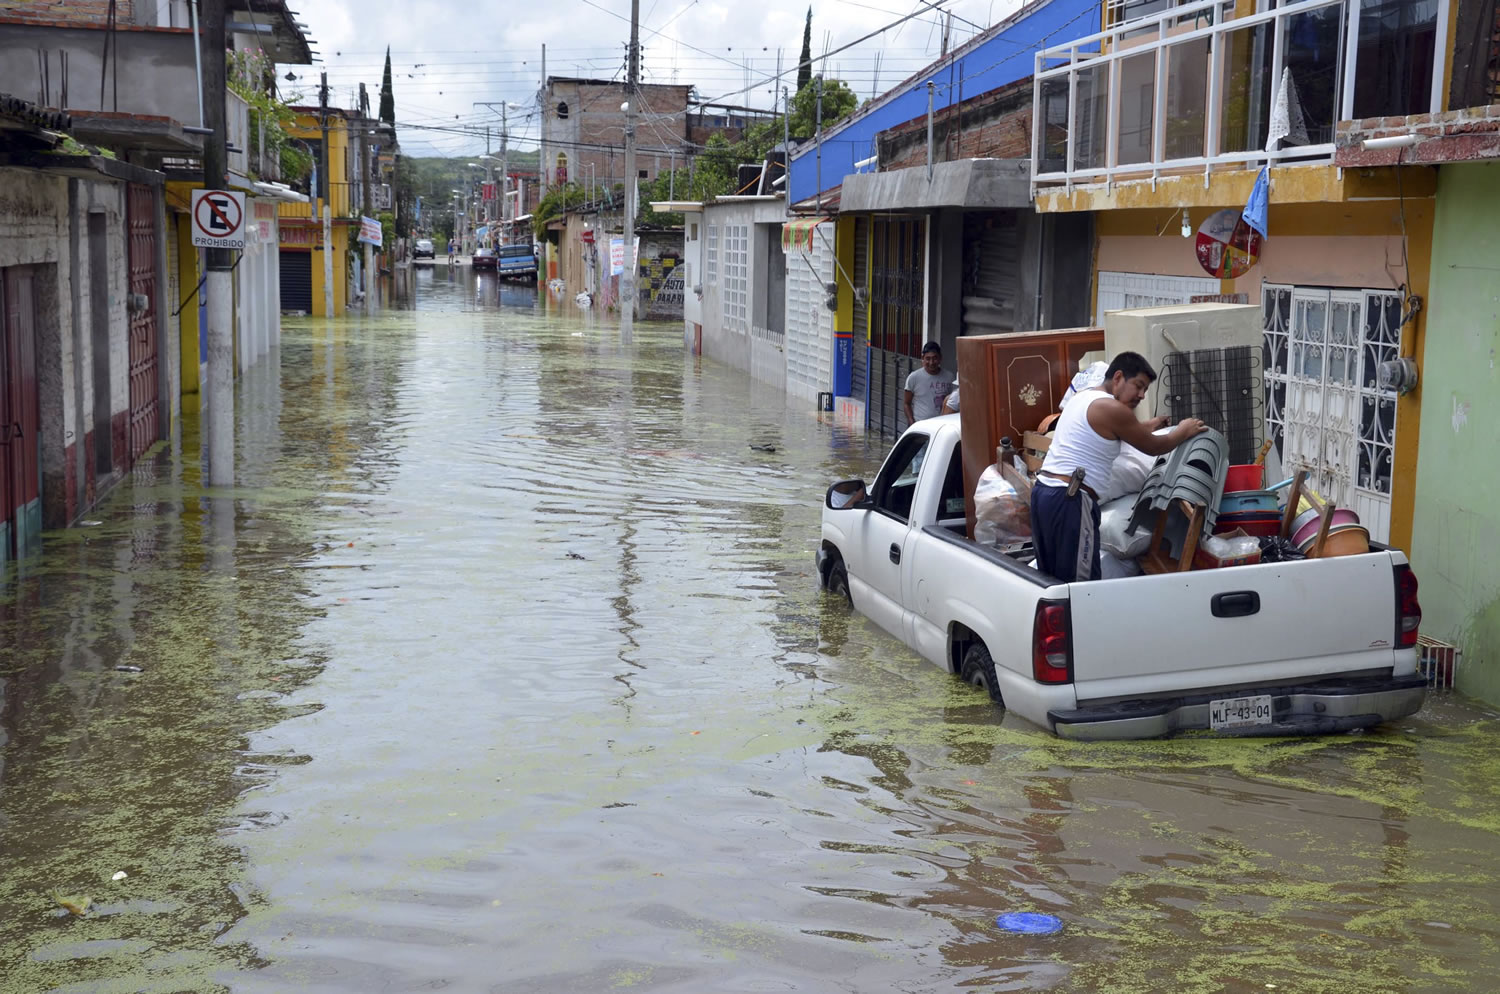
x,y
237,131
1192,87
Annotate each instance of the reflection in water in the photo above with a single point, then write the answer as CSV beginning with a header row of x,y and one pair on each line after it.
x,y
504,668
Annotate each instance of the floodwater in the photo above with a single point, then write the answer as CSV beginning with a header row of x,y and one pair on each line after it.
x,y
504,668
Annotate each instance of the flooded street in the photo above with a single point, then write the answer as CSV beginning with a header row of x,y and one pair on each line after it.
x,y
505,669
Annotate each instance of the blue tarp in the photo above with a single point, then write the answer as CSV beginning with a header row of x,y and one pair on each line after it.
x,y
995,62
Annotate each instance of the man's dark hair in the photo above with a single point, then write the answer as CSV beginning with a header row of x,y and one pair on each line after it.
x,y
1131,364
932,347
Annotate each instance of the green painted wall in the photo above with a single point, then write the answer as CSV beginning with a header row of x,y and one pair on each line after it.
x,y
1456,533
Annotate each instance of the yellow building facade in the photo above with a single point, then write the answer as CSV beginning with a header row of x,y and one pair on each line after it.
x,y
301,225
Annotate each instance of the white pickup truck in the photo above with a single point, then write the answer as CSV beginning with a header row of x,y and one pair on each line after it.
x,y
1285,648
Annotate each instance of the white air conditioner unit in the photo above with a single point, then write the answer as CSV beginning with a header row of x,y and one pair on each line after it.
x,y
1208,360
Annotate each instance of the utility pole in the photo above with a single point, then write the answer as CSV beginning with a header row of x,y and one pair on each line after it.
x,y
627,278
367,202
218,283
819,131
786,149
542,164
327,208
504,163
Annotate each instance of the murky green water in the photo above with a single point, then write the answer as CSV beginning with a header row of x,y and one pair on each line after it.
x,y
504,669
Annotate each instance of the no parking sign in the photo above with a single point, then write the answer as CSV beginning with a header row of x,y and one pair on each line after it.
x,y
218,219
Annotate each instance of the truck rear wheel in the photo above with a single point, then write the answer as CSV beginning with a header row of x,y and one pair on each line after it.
x,y
978,670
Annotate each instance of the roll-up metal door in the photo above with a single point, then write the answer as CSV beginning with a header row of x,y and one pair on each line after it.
x,y
992,258
860,379
296,281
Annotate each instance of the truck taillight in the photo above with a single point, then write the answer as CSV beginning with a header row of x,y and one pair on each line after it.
x,y
1408,610
1051,651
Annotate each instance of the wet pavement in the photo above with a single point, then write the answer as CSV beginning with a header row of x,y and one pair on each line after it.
x,y
504,668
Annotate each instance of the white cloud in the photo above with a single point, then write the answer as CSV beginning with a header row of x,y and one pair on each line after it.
x,y
448,54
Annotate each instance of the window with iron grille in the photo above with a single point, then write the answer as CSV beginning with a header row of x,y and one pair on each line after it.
x,y
736,296
711,257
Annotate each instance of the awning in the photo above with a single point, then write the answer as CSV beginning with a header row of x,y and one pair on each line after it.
x,y
797,234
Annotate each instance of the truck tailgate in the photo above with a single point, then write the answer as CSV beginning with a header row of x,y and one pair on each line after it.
x,y
1232,627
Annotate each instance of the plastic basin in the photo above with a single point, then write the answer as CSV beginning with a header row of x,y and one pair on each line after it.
x,y
1245,476
1248,500
1309,531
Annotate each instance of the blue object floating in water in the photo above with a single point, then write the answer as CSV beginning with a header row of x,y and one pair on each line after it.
x,y
1029,923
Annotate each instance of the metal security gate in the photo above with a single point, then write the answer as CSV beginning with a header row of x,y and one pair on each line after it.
x,y
1325,409
992,259
296,281
859,380
140,216
1118,291
898,250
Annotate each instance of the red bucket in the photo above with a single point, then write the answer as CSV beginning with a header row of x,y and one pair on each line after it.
x,y
1247,476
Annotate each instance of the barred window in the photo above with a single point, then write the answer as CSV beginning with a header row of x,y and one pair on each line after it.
x,y
711,258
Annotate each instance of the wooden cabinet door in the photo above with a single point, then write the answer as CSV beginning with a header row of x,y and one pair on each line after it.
x,y
1008,384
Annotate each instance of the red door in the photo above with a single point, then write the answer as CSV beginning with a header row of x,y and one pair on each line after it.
x,y
141,224
20,477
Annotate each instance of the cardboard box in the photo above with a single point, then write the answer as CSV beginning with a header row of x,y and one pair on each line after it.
x,y
1202,559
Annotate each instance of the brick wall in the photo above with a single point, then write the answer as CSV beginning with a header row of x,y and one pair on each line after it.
x,y
993,125
66,12
1456,136
594,132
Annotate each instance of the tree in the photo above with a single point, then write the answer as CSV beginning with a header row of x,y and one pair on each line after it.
x,y
714,173
387,97
838,103
804,63
554,205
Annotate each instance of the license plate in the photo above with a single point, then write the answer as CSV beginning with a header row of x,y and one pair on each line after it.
x,y
1239,712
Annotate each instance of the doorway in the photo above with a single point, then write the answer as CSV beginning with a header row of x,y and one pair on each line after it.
x,y
20,416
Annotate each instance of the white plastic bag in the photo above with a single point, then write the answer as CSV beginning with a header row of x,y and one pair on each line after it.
x,y
1113,517
1113,568
1224,547
1002,506
1085,379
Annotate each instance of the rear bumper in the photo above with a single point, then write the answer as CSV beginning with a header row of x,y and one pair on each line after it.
x,y
1310,709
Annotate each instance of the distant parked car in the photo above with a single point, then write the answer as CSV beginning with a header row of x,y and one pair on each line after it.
x,y
484,258
423,249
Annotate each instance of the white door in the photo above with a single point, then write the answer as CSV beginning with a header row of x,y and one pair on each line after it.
x,y
1324,409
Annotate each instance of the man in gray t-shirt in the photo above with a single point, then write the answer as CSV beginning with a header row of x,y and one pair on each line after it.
x,y
926,387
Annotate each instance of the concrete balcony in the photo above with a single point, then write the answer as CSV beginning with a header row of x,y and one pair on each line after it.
x,y
1192,88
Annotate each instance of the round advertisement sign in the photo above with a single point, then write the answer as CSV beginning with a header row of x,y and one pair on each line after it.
x,y
1227,247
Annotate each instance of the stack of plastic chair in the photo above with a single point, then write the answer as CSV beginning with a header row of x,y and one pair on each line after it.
x,y
1193,472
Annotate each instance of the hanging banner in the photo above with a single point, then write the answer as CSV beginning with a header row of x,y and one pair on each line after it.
x,y
370,232
616,256
797,234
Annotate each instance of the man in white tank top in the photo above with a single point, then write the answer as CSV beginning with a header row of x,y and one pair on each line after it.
x,y
1065,529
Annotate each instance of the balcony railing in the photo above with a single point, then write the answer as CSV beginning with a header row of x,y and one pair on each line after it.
x,y
1193,88
237,132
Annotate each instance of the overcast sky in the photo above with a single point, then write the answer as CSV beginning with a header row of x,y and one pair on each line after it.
x,y
447,54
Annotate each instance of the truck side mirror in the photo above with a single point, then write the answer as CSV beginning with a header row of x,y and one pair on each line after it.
x,y
848,495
